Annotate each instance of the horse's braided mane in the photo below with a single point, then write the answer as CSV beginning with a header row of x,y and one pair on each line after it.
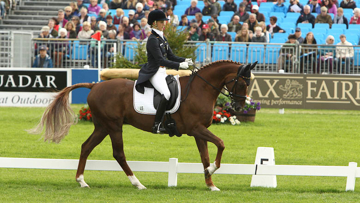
x,y
217,62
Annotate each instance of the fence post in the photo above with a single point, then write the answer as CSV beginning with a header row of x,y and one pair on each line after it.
x,y
351,178
172,180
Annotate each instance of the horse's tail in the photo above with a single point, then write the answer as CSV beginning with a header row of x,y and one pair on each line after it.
x,y
58,116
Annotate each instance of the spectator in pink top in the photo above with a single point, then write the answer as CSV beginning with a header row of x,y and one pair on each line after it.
x,y
329,4
93,7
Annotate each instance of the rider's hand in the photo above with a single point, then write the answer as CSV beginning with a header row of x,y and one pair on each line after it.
x,y
184,65
190,62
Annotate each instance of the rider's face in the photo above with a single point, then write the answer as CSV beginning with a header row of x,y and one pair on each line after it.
x,y
160,25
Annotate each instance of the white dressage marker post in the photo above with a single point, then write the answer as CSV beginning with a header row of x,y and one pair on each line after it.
x,y
264,156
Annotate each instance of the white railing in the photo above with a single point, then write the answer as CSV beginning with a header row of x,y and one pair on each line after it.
x,y
173,167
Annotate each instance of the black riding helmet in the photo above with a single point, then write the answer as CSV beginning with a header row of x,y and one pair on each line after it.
x,y
156,15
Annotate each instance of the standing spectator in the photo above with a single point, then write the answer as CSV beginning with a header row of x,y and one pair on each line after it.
x,y
144,24
229,6
356,18
115,4
330,6
273,27
75,9
60,48
174,19
287,52
127,26
298,35
51,25
216,5
214,27
344,53
76,21
293,4
130,4
83,16
307,17
308,52
252,22
139,11
248,5
102,16
279,7
324,17
348,4
2,10
224,36
258,36
314,6
137,33
6,6
193,34
122,34
208,9
118,17
259,16
234,25
206,34
184,21
93,7
132,19
109,24
199,21
242,13
61,18
42,60
86,32
192,10
340,18
327,54
80,4
68,13
93,24
243,36
71,30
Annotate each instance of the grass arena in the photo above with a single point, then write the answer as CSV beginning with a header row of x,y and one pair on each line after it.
x,y
299,137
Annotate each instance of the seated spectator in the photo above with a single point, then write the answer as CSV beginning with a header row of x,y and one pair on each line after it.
x,y
245,25
243,15
208,9
206,34
93,24
76,21
81,5
314,6
184,21
259,16
86,32
287,53
273,28
279,7
192,10
306,17
348,4
68,13
102,28
75,9
327,54
229,6
144,24
198,18
83,16
150,3
102,16
93,7
295,7
308,52
71,30
60,47
214,27
42,60
118,17
122,34
356,18
45,32
127,26
137,33
115,4
198,29
61,18
258,36
193,34
145,6
216,5
298,35
330,6
51,25
242,36
105,6
148,33
214,17
260,1
164,4
132,19
174,19
339,18
264,31
130,4
234,25
224,36
109,24
252,22
324,17
344,53
147,14
139,11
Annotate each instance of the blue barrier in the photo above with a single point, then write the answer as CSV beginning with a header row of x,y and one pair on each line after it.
x,y
79,96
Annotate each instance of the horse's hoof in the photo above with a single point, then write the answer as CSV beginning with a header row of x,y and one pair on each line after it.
x,y
214,188
85,186
141,187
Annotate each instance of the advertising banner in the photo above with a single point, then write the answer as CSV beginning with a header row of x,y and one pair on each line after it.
x,y
306,91
33,87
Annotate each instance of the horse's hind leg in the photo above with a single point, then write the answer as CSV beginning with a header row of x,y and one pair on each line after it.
x,y
119,155
96,137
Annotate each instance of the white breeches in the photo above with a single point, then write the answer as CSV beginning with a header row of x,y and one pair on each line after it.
x,y
159,82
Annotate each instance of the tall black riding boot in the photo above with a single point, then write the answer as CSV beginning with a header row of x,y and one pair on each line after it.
x,y
158,128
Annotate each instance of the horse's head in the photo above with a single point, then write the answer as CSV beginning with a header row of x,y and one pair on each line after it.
x,y
239,85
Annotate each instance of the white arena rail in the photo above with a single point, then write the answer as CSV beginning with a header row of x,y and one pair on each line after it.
x,y
173,168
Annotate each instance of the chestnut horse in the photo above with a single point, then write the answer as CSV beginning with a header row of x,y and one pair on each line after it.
x,y
111,102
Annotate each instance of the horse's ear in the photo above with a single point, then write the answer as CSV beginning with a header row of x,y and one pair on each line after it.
x,y
253,65
243,69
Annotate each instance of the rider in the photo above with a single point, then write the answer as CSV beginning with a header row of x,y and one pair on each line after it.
x,y
159,56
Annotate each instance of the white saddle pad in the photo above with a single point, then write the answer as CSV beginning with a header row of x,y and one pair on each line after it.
x,y
144,103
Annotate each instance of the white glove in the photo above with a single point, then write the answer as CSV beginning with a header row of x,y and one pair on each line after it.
x,y
190,62
184,65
